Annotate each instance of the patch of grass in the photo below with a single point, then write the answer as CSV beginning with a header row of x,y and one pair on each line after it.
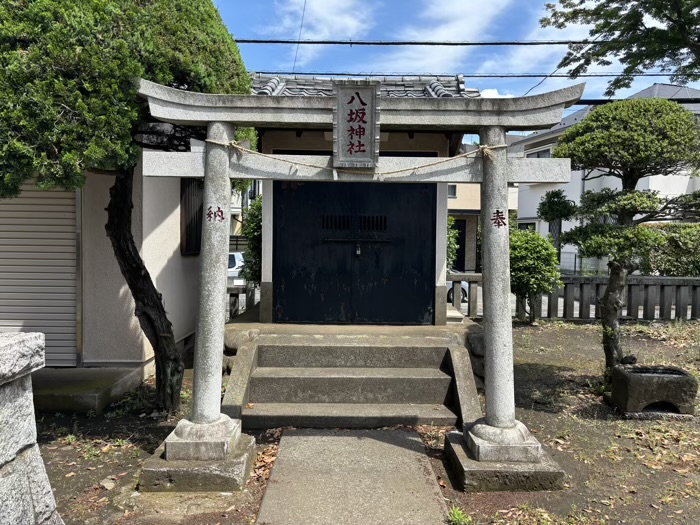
x,y
457,516
134,402
526,515
665,445
91,452
120,442
185,394
679,334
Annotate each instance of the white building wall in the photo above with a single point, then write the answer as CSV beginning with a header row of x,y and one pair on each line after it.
x,y
111,332
175,276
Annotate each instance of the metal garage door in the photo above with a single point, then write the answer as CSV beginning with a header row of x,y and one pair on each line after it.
x,y
38,285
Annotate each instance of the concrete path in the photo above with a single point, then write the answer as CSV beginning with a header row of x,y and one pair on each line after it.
x,y
339,477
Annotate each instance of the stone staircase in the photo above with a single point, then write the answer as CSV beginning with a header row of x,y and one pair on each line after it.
x,y
346,382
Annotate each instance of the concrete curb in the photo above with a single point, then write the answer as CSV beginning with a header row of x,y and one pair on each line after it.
x,y
243,365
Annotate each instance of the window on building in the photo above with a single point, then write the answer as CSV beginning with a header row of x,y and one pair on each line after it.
x,y
191,204
526,226
555,232
542,154
452,191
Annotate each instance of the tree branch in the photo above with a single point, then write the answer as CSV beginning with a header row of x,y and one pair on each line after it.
x,y
587,178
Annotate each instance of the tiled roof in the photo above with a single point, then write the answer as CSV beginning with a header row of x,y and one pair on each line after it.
x,y
402,87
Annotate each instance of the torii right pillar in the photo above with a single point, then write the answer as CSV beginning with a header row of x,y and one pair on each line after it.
x,y
497,452
498,436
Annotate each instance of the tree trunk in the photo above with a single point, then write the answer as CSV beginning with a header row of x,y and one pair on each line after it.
x,y
610,306
149,304
532,304
520,307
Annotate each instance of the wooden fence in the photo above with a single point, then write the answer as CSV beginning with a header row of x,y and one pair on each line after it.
x,y
647,298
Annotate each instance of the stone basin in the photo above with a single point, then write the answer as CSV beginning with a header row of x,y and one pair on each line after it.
x,y
641,388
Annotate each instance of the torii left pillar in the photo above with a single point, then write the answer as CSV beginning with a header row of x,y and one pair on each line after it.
x,y
209,434
207,452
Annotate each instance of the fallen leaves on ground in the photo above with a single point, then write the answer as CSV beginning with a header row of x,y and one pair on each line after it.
x,y
264,462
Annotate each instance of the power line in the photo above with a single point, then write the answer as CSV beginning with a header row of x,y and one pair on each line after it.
x,y
301,26
464,75
420,42
602,101
554,72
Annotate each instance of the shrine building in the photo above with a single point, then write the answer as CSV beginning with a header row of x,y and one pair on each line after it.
x,y
348,241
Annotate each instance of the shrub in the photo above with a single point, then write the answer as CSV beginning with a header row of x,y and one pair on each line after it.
x,y
677,253
252,231
533,267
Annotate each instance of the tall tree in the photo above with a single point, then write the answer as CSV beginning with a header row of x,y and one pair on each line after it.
x,y
641,34
627,140
68,106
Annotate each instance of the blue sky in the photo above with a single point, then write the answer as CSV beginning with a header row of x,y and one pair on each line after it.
x,y
446,20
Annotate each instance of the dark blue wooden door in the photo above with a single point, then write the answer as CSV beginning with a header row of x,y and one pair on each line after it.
x,y
354,253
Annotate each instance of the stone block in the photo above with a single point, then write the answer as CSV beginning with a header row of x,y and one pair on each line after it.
x,y
440,305
475,343
25,490
20,354
266,304
17,427
15,499
54,519
492,476
516,444
202,442
466,395
637,389
161,475
82,390
242,365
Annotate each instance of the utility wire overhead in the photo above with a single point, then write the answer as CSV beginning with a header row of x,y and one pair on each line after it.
x,y
465,75
553,72
417,42
301,26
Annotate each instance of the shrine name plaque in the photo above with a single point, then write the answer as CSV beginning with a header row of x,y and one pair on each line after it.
x,y
356,124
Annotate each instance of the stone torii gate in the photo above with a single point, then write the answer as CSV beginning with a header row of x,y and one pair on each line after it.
x,y
498,437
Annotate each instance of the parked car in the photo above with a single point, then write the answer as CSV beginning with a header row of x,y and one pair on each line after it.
x,y
235,284
235,264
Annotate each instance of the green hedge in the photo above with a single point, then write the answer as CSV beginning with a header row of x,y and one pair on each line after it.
x,y
678,251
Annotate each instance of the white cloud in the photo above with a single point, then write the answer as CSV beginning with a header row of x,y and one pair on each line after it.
x,y
323,20
534,59
494,93
439,20
545,59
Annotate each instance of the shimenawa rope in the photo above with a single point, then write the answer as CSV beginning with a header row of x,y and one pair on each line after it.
x,y
486,151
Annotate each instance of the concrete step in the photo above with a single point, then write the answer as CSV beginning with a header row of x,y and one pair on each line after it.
x,y
344,415
349,385
332,355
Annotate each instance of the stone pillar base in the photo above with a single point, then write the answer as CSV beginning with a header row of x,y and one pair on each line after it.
x,y
515,444
491,476
202,442
161,475
201,457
